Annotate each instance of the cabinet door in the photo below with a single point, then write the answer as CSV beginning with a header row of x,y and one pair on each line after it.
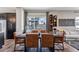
x,y
11,25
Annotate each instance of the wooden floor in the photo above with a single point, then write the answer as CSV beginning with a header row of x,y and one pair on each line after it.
x,y
9,47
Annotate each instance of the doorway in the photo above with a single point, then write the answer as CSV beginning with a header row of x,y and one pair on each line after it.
x,y
11,25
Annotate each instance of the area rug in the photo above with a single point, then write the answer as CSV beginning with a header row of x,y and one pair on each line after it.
x,y
73,43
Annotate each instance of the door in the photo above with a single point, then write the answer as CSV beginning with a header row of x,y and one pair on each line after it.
x,y
11,25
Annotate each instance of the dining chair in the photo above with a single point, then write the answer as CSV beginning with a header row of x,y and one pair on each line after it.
x,y
32,40
59,40
34,31
43,31
48,41
17,40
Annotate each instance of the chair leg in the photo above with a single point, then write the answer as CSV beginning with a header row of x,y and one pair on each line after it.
x,y
15,47
63,46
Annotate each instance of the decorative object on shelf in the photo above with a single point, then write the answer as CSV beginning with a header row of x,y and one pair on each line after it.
x,y
55,21
54,30
52,21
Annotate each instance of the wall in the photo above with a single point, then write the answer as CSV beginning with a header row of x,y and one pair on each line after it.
x,y
37,14
65,15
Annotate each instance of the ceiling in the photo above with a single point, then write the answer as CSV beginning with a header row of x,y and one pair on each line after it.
x,y
40,9
7,9
49,9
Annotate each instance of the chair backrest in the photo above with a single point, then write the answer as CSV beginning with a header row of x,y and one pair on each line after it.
x,y
14,34
34,31
60,39
44,31
15,37
32,40
47,40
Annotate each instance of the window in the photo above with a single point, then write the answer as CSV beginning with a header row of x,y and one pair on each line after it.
x,y
35,22
77,22
66,22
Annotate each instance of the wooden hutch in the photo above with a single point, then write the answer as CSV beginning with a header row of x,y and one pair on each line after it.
x,y
52,21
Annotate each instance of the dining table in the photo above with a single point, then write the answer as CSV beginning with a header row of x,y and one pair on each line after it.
x,y
39,48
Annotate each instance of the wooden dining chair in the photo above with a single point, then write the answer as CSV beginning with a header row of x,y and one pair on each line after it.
x,y
32,40
59,40
48,41
17,40
34,31
44,31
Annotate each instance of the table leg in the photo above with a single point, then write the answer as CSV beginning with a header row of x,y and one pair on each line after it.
x,y
25,47
53,50
39,49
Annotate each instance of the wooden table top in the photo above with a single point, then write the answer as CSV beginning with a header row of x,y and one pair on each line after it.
x,y
24,35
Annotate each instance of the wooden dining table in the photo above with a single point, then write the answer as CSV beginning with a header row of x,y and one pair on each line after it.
x,y
39,48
